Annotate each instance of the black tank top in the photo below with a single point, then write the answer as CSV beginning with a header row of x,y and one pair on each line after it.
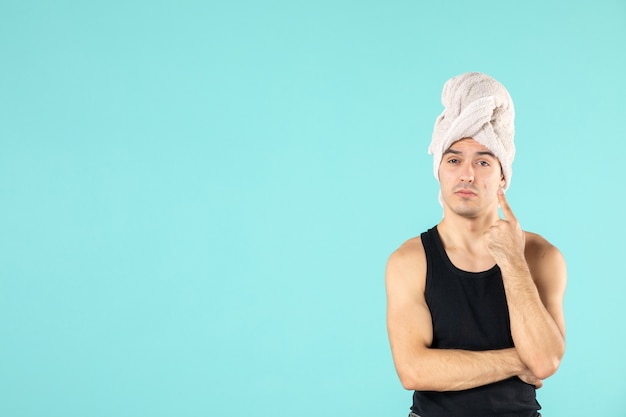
x,y
469,311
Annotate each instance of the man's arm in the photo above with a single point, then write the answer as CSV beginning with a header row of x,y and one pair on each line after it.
x,y
410,331
534,276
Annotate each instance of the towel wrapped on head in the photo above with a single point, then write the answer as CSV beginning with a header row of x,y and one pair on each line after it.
x,y
478,107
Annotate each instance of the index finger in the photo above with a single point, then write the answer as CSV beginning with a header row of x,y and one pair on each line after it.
x,y
504,205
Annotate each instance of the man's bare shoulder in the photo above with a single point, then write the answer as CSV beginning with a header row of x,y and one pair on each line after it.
x,y
539,249
407,264
546,263
410,251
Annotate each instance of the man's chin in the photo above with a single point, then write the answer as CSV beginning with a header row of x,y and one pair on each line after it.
x,y
465,209
469,213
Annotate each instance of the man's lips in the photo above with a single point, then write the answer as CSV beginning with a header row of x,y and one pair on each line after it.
x,y
465,193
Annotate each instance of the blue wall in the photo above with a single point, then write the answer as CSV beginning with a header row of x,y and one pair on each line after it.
x,y
197,199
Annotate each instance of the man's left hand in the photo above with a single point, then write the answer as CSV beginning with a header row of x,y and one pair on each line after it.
x,y
505,239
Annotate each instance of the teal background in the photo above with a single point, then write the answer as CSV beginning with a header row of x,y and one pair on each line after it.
x,y
197,199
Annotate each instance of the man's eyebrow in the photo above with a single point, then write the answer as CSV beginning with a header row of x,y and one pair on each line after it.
x,y
455,152
489,153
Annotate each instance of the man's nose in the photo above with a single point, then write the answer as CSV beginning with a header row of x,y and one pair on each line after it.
x,y
467,173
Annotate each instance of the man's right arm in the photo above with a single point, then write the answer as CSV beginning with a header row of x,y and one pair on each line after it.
x,y
409,326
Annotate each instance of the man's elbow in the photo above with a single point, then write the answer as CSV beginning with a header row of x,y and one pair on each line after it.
x,y
411,380
546,367
408,384
407,380
413,384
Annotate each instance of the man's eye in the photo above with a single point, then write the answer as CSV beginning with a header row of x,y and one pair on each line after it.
x,y
453,161
483,163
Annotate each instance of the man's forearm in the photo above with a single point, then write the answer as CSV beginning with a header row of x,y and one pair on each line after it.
x,y
455,370
537,338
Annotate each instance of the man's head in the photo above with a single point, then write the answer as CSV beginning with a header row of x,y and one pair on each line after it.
x,y
469,176
479,107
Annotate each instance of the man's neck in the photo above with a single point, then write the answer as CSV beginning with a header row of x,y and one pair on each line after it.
x,y
466,233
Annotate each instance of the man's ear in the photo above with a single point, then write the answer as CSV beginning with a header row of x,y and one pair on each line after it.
x,y
502,179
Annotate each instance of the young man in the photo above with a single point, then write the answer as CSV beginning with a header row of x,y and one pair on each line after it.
x,y
474,305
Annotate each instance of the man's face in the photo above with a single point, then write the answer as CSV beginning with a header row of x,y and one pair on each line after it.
x,y
470,175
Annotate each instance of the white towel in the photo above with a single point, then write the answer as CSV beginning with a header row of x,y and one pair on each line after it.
x,y
478,107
